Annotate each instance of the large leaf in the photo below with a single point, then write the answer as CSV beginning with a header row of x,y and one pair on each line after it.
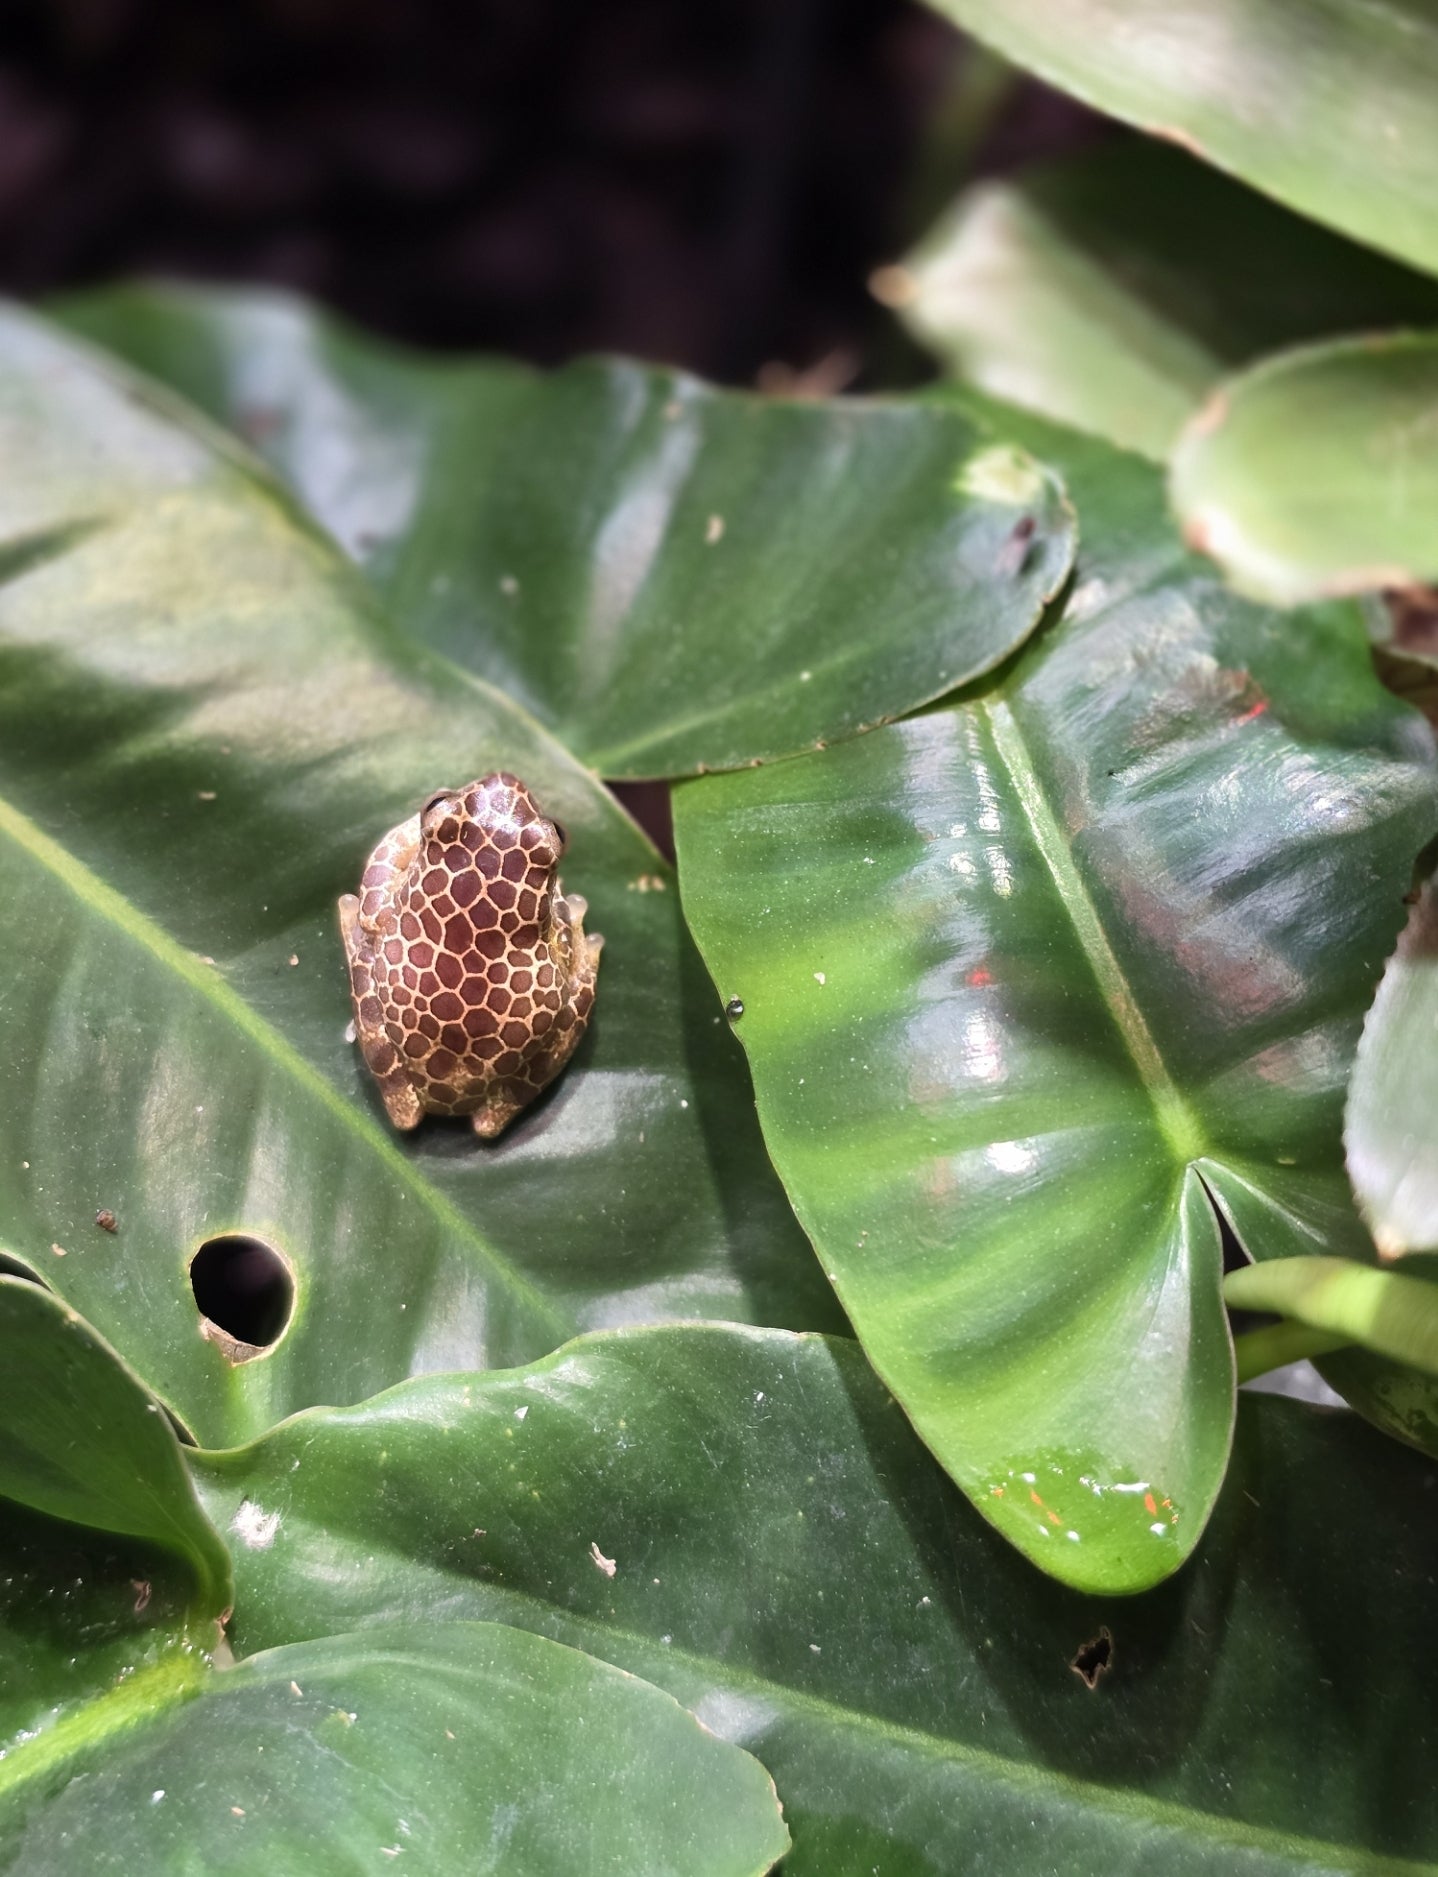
x,y
1315,472
1325,104
1392,1122
775,1547
671,578
1023,977
1112,290
80,1439
205,724
456,1746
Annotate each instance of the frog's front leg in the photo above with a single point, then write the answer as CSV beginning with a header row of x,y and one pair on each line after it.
x,y
401,1102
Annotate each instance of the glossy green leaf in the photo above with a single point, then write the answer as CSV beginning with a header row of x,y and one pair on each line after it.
x,y
1391,1128
205,724
1314,472
1111,291
80,1439
1327,107
1028,980
671,578
455,1746
789,1562
1386,1311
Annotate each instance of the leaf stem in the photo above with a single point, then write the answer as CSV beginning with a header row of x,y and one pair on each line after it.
x,y
1258,1351
1386,1311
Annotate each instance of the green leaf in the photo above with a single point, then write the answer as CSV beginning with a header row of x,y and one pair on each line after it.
x,y
80,1611
1313,473
1391,1128
1112,290
80,1439
455,1746
1401,1400
205,725
789,1562
671,578
1327,109
1023,977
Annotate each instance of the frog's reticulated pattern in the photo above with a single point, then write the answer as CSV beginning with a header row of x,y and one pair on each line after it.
x,y
471,975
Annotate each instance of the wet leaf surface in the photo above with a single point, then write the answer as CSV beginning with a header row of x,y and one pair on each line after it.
x,y
1030,981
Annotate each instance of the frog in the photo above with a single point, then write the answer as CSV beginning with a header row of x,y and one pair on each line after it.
x,y
471,974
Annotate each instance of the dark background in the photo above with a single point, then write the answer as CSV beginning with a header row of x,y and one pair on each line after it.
x,y
707,185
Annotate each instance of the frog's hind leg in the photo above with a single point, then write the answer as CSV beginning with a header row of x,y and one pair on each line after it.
x,y
382,1059
510,1097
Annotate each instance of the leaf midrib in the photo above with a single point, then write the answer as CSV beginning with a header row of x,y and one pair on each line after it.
x,y
1176,1120
136,1700
106,903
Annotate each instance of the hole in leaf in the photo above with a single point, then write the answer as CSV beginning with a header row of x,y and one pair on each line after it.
x,y
245,1293
1094,1659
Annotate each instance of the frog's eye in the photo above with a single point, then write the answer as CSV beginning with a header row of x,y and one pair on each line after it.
x,y
434,802
560,835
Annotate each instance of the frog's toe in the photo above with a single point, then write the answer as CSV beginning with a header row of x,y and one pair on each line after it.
x,y
491,1120
402,1103
495,1113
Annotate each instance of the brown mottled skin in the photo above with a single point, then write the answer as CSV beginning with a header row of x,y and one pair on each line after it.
x,y
471,976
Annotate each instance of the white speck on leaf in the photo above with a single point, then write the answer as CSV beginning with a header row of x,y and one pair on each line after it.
x,y
819,977
519,1413
607,1565
714,530
253,1526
